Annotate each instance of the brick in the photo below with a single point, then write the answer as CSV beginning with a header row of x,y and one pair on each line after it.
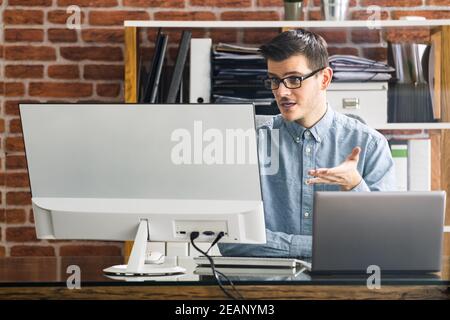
x,y
67,71
36,3
40,53
223,35
416,34
92,53
270,3
14,144
259,36
24,71
15,216
89,250
21,234
12,106
14,89
344,50
61,16
365,15
2,250
429,14
438,2
32,251
222,3
88,3
31,35
103,72
108,89
377,54
23,17
103,35
60,90
332,36
315,15
115,18
183,15
31,216
62,35
155,3
16,162
366,36
2,125
250,15
15,126
391,3
17,180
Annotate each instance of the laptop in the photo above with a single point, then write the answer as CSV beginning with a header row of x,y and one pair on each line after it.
x,y
400,232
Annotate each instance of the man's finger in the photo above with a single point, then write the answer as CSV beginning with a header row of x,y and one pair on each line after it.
x,y
316,172
320,181
355,154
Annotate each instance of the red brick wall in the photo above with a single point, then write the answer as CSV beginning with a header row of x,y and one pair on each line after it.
x,y
43,61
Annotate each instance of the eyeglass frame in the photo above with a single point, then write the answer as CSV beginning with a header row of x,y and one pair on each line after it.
x,y
302,78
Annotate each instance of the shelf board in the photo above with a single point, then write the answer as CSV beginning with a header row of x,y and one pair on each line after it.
x,y
413,126
288,24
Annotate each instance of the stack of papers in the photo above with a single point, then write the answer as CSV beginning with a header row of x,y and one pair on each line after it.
x,y
237,76
358,69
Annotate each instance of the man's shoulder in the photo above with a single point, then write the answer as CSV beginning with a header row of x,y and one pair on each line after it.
x,y
350,125
269,122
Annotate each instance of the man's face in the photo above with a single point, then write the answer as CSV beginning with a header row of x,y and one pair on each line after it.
x,y
296,104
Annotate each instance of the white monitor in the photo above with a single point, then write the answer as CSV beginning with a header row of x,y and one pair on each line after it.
x,y
105,171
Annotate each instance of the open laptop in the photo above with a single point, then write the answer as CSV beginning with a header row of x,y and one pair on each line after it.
x,y
400,232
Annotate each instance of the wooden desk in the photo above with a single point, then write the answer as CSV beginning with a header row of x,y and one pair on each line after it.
x,y
45,278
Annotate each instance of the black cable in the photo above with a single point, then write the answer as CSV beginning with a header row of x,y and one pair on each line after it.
x,y
219,236
194,235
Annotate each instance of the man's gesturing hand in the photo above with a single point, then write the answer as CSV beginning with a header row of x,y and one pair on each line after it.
x,y
346,174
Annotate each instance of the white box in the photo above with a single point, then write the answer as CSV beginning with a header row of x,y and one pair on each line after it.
x,y
367,100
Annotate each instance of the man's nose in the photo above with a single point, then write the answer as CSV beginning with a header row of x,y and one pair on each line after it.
x,y
282,90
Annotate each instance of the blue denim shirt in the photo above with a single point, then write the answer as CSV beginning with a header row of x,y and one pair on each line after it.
x,y
288,200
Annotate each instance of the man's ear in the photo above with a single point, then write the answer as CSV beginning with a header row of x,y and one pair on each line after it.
x,y
326,79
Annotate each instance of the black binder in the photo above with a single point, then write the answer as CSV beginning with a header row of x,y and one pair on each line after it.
x,y
179,67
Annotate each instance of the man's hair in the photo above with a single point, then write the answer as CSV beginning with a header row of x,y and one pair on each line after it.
x,y
297,42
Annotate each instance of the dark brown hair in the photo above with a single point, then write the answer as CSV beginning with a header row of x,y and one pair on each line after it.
x,y
297,42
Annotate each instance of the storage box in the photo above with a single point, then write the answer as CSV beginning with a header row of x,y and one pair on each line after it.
x,y
367,100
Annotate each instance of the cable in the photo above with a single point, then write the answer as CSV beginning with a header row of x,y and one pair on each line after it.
x,y
194,235
219,236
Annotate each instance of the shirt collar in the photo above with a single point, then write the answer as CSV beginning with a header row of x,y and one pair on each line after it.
x,y
318,131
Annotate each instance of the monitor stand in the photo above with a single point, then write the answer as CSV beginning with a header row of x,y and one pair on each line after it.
x,y
137,265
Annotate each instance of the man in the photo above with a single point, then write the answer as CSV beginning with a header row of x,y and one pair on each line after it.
x,y
318,149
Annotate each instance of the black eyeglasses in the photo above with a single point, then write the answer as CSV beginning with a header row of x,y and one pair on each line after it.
x,y
291,82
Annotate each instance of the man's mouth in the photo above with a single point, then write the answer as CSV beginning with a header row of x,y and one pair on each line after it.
x,y
287,104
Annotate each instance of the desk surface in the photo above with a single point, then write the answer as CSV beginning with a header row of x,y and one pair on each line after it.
x,y
46,278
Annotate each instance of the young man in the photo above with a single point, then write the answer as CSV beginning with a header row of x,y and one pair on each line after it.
x,y
319,149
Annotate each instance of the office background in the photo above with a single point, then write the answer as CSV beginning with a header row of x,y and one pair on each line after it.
x,y
44,61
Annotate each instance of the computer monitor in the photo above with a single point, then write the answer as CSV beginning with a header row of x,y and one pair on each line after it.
x,y
144,173
399,232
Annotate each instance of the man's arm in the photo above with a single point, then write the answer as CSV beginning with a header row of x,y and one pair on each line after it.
x,y
379,170
278,244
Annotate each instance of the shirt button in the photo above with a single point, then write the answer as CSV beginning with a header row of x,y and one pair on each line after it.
x,y
297,139
307,133
306,214
308,150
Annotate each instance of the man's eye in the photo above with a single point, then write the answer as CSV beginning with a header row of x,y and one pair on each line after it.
x,y
294,79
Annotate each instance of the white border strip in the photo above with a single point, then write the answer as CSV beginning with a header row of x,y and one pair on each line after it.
x,y
288,24
446,228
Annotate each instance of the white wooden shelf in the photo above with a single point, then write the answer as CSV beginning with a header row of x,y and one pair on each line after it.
x,y
287,24
413,126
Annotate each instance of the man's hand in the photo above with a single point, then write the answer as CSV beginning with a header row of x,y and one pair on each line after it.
x,y
346,174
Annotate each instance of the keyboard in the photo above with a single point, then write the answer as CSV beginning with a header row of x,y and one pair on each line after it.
x,y
253,262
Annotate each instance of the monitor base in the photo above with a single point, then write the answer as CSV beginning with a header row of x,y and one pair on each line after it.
x,y
146,270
